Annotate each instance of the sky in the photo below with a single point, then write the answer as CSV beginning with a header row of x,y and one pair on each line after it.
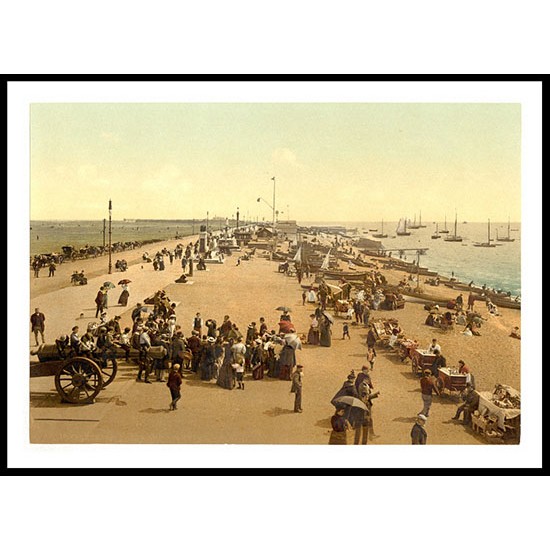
x,y
331,161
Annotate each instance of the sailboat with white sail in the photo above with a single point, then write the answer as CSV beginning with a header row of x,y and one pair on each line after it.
x,y
402,228
454,238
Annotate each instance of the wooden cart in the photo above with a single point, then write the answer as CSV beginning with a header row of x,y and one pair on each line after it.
x,y
420,360
450,382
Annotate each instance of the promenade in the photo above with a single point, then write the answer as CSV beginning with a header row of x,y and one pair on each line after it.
x,y
129,412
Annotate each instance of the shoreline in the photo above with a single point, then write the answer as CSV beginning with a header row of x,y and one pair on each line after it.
x,y
127,411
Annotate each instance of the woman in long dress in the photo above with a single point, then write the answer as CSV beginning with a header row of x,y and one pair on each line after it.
x,y
313,334
124,295
256,360
208,361
325,333
225,373
287,361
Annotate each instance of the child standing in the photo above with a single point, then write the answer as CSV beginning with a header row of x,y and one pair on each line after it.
x,y
346,332
371,354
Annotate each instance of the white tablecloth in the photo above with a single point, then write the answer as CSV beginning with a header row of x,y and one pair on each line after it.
x,y
486,405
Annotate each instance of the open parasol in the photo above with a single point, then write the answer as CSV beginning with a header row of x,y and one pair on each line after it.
x,y
350,401
285,309
108,284
328,316
293,340
124,281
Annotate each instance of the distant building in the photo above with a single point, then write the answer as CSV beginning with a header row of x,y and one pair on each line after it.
x,y
288,229
264,233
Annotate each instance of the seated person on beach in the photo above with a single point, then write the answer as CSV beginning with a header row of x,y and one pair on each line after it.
x,y
515,333
470,330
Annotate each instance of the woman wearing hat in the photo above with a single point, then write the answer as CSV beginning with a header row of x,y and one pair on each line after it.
x,y
124,295
226,379
256,357
208,360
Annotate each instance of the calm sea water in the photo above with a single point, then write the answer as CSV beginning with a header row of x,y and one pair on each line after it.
x,y
498,267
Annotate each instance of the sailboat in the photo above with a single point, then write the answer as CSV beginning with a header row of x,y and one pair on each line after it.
x,y
488,244
381,235
454,238
414,225
420,220
436,235
402,228
445,230
298,257
506,239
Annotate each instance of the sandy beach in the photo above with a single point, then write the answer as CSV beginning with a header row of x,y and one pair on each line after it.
x,y
129,412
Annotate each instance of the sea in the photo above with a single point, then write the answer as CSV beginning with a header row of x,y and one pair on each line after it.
x,y
498,267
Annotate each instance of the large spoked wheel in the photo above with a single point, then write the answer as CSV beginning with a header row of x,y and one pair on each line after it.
x,y
79,380
108,372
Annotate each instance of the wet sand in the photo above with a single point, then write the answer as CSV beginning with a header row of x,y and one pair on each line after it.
x,y
130,412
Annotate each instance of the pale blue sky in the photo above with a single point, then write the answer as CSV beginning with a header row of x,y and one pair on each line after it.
x,y
332,161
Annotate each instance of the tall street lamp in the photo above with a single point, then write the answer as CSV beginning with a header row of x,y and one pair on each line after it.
x,y
110,209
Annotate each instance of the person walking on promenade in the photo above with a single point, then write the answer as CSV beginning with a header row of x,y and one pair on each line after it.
x,y
419,436
471,301
427,387
371,356
36,268
345,331
99,301
174,385
296,388
371,338
304,296
38,320
51,269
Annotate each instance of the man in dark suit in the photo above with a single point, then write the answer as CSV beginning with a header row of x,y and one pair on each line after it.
x,y
296,388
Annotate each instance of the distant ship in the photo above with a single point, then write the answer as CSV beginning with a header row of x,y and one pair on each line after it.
x,y
445,230
415,225
402,228
454,238
381,235
506,239
488,244
436,235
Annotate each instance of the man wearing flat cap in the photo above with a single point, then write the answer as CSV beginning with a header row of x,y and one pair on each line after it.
x,y
419,436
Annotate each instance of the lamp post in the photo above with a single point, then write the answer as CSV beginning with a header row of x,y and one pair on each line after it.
x,y
237,217
104,233
273,178
110,209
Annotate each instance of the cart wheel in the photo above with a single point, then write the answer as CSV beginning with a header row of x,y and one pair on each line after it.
x,y
440,385
79,380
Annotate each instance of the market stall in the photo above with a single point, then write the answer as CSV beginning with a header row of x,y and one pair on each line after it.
x,y
499,413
